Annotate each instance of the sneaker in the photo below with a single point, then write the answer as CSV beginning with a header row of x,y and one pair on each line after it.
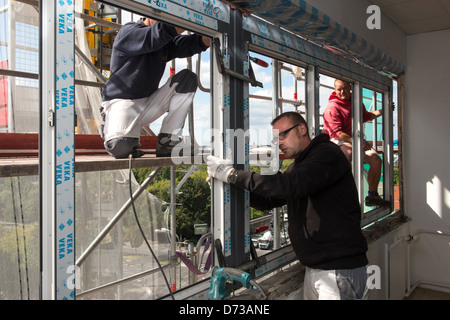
x,y
376,201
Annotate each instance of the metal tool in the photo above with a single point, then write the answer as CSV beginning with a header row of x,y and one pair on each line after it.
x,y
225,280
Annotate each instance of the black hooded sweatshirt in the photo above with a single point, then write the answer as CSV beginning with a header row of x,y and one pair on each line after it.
x,y
322,201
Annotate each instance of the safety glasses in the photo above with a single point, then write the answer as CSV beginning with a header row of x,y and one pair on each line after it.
x,y
282,135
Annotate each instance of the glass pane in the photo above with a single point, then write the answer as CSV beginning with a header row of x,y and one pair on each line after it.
x,y
19,238
374,135
123,252
19,113
292,98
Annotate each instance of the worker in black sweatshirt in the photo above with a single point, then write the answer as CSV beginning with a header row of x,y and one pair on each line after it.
x,y
323,208
132,97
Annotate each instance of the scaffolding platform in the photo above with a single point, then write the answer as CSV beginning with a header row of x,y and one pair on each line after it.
x,y
19,155
15,167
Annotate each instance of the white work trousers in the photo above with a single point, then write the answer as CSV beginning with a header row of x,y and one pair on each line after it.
x,y
344,284
124,118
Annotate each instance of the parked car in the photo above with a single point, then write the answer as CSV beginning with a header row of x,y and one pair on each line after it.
x,y
266,241
255,241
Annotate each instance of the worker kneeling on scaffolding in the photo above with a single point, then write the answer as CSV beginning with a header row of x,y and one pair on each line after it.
x,y
131,97
323,208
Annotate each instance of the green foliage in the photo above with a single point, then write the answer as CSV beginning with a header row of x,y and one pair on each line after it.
x,y
193,201
195,204
396,177
160,189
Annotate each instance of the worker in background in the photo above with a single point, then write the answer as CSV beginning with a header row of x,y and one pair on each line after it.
x,y
337,119
323,208
131,97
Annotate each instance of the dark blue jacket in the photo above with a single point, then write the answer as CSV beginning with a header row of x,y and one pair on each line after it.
x,y
139,57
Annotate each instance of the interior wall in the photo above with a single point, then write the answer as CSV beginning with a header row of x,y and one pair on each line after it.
x,y
427,154
425,140
389,273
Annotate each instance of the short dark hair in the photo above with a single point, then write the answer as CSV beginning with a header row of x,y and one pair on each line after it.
x,y
295,117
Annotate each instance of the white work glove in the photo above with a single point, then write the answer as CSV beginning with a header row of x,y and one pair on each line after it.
x,y
218,168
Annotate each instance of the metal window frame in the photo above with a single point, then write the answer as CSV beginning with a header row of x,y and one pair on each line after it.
x,y
357,138
229,204
56,150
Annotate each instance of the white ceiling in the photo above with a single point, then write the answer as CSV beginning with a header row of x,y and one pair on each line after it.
x,y
417,16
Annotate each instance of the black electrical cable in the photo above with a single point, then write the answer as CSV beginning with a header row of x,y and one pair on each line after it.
x,y
17,239
142,231
24,238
